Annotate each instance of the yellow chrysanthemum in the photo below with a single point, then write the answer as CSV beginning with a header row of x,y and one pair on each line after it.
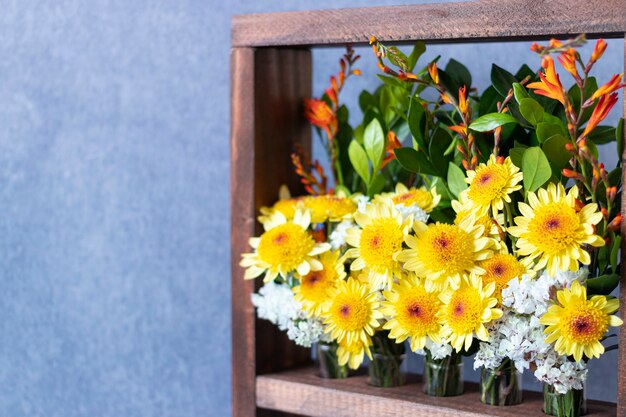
x,y
352,354
312,291
491,183
577,325
287,207
353,314
466,310
329,207
443,253
554,231
285,247
500,269
463,208
420,197
377,239
412,312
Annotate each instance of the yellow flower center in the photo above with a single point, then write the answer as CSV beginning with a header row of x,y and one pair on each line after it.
x,y
380,240
464,311
583,323
315,285
286,245
414,196
553,228
324,207
489,184
416,311
349,313
501,268
287,207
446,247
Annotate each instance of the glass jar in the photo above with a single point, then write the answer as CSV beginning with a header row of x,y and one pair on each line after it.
x,y
385,368
328,362
501,386
571,404
443,377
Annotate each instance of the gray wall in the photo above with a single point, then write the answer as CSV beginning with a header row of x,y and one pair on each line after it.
x,y
114,201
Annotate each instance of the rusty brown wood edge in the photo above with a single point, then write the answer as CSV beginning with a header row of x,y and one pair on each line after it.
x,y
482,20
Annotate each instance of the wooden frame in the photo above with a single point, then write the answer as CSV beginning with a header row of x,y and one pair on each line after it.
x,y
270,76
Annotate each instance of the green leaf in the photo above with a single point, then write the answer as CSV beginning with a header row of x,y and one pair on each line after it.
x,y
619,138
531,110
417,122
502,80
554,148
456,179
615,250
366,100
489,101
519,92
602,285
459,73
516,155
491,121
574,93
439,144
414,161
602,134
398,58
524,72
358,158
377,185
418,49
547,130
374,142
536,168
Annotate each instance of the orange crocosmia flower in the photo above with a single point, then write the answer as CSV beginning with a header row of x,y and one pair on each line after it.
x,y
460,129
613,84
602,109
321,115
555,43
434,73
550,84
392,143
598,50
463,101
568,60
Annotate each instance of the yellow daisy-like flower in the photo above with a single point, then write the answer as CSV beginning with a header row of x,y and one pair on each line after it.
x,y
352,354
353,314
577,325
412,312
443,253
463,208
491,183
466,310
287,207
420,197
285,247
553,231
329,207
377,239
500,269
312,292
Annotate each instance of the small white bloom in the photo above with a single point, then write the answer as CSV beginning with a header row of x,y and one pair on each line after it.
x,y
338,236
414,210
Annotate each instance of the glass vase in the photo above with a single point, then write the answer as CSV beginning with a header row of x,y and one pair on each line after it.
x,y
501,386
571,404
443,377
328,362
385,368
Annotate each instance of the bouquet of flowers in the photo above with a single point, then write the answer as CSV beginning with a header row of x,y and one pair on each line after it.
x,y
465,224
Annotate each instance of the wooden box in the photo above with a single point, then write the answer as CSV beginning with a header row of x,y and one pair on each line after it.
x,y
270,77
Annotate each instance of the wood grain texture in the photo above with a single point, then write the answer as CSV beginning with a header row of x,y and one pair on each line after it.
x,y
302,392
460,21
621,371
242,227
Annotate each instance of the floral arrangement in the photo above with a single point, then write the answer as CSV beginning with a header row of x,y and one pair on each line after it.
x,y
465,224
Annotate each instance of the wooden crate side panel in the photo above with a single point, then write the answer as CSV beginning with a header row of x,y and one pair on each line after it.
x,y
458,21
242,227
282,82
621,371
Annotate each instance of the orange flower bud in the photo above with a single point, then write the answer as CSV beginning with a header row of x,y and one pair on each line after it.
x,y
568,61
356,71
615,224
568,173
434,73
554,43
463,101
372,39
611,192
319,114
569,147
445,98
602,109
613,84
499,159
535,47
598,50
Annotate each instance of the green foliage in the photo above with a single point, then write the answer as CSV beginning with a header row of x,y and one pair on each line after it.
x,y
531,110
536,169
491,121
456,180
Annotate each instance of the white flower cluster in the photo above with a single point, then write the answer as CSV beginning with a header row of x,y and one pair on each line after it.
x,y
437,350
519,335
414,210
276,303
337,237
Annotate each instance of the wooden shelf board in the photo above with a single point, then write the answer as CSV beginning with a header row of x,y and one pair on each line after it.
x,y
301,391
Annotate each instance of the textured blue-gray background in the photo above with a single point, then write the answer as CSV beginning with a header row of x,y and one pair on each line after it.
x,y
114,201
